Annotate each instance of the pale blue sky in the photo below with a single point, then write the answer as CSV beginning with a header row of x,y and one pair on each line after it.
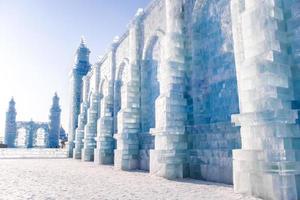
x,y
38,39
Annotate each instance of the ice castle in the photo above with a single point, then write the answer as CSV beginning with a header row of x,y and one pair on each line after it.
x,y
207,89
33,134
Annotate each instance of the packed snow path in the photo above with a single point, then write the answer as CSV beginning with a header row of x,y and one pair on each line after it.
x,y
70,179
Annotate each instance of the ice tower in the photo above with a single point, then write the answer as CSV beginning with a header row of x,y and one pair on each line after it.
x,y
54,123
80,69
11,124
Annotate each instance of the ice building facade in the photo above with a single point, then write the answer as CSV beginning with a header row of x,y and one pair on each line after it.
x,y
206,89
32,134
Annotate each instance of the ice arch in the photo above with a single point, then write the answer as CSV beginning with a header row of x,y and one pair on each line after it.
x,y
32,134
40,138
150,79
104,90
120,80
21,139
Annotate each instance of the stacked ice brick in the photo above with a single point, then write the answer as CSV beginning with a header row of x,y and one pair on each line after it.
x,y
82,120
105,141
210,154
268,164
169,159
90,129
127,152
214,91
104,153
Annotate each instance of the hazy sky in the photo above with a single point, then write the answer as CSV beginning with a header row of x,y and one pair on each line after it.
x,y
38,39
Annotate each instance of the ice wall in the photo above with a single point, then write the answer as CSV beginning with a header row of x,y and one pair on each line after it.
x,y
214,92
171,76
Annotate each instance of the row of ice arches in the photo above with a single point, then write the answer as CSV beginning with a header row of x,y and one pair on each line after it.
x,y
30,134
149,82
211,89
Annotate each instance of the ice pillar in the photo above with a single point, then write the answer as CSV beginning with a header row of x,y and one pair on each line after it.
x,y
169,158
127,152
82,120
104,153
268,165
90,130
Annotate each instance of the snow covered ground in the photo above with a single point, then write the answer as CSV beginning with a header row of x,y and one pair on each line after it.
x,y
70,179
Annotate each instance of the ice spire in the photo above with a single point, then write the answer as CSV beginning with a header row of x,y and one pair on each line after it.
x,y
55,100
139,12
80,69
12,104
83,52
82,41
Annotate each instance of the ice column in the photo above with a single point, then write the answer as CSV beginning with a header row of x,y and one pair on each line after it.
x,y
127,152
104,154
268,165
90,130
29,136
82,120
169,159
